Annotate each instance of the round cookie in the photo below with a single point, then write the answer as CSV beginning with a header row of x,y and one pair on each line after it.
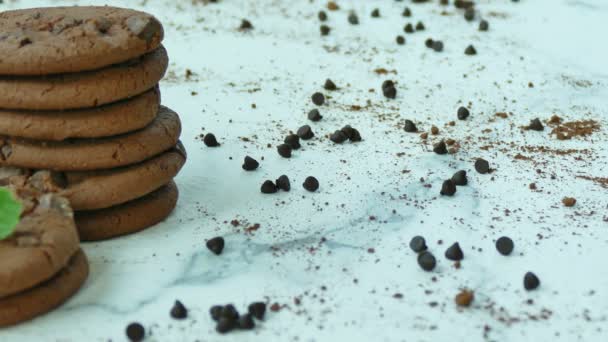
x,y
129,217
46,296
109,120
90,190
87,89
42,41
94,154
42,244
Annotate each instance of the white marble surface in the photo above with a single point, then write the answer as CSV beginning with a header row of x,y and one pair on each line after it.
x,y
559,45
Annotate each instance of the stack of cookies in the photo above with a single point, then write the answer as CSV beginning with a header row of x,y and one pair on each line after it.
x,y
79,97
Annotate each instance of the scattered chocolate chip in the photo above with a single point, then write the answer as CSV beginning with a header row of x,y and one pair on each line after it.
x,y
210,140
246,322
318,98
257,309
216,245
408,28
470,50
324,30
454,252
437,45
179,311
448,188
531,281
250,164
353,19
427,261
322,16
24,41
484,25
225,325
407,12
230,312
469,14
536,125
482,166
463,113
284,150
388,89
428,43
332,6
338,137
376,13
314,115
409,126
354,136
460,178
268,187
330,85
136,332
283,183
434,130
311,184
419,26
440,148
305,132
400,40
216,312
245,25
504,245
388,84
418,244
293,140
464,298
569,201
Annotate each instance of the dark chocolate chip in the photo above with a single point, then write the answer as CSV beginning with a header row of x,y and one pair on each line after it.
x,y
268,187
305,132
324,30
408,28
179,311
210,140
283,183
407,12
230,312
420,26
348,131
314,115
470,50
418,244
448,188
390,92
246,322
250,164
463,113
216,245
409,126
322,16
504,245
318,98
355,136
482,166
454,252
469,14
400,40
388,84
484,25
257,309
437,45
460,178
245,25
440,148
338,137
427,261
311,184
293,140
353,19
284,150
531,281
216,312
24,41
536,125
376,13
429,43
225,325
136,332
329,85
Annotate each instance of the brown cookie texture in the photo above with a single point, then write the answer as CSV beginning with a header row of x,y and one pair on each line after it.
x,y
129,217
87,89
94,154
91,190
105,121
42,41
46,296
43,241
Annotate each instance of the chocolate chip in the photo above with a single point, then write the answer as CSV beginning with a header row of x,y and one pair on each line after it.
x,y
230,312
293,140
179,311
429,43
24,41
448,188
216,245
225,325
322,16
482,166
400,40
145,28
347,131
210,140
216,312
283,183
318,98
376,13
407,12
354,136
305,132
311,184
246,322
389,92
268,187
427,261
536,125
257,309
531,281
460,178
250,164
330,85
314,115
388,84
463,113
245,25
418,244
569,201
504,245
454,252
484,25
284,150
434,130
440,148
324,30
408,28
136,332
470,50
409,126
469,14
464,298
353,19
437,45
419,26
338,137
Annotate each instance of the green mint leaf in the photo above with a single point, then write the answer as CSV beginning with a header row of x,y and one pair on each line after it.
x,y
10,212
